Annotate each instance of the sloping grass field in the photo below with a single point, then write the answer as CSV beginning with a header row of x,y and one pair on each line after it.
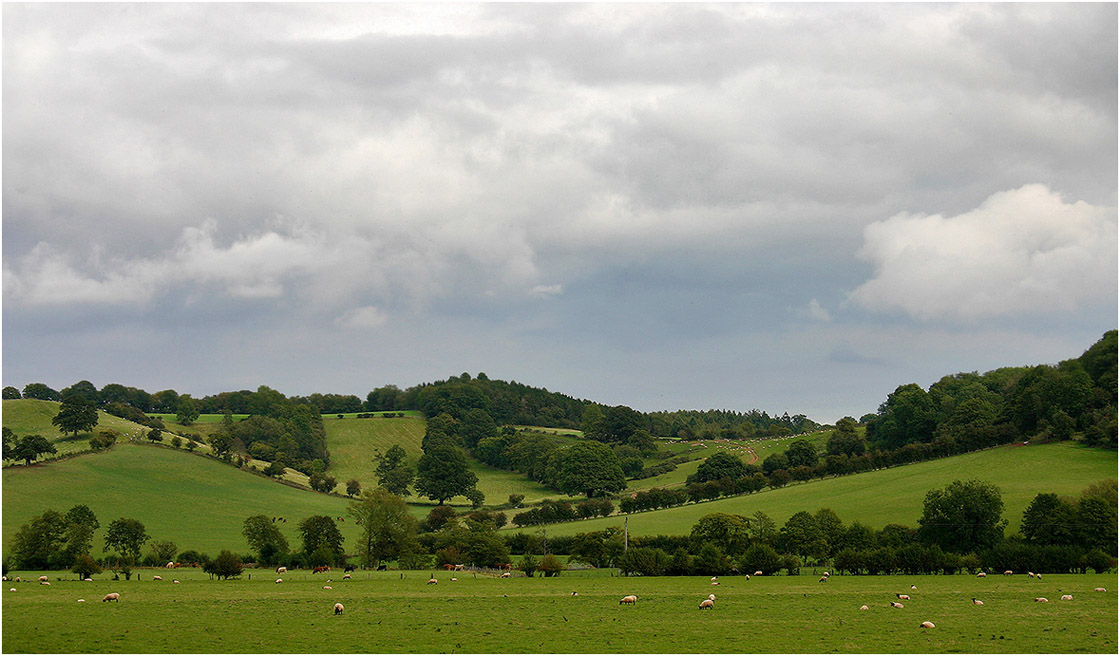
x,y
397,612
893,495
196,502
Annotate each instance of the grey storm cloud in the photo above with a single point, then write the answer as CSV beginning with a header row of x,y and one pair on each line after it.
x,y
709,179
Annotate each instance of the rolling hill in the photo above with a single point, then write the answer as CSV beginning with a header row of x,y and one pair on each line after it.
x,y
893,495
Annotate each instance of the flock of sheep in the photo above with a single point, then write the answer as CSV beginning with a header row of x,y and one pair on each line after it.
x,y
705,604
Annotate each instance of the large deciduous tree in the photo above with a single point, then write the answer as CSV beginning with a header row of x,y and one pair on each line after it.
x,y
265,538
393,472
962,517
387,528
719,465
443,472
322,541
590,468
77,414
126,537
1049,520
29,447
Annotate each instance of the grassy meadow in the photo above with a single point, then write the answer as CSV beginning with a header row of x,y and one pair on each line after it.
x,y
893,495
398,612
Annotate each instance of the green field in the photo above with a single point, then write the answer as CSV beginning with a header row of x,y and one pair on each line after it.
x,y
31,417
394,612
196,502
893,495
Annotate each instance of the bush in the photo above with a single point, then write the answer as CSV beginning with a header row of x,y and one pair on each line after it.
x,y
85,566
528,564
551,565
226,565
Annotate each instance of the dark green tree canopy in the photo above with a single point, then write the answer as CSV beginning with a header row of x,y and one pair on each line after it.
x,y
320,532
590,468
719,465
963,517
126,537
1049,520
29,447
77,414
264,537
443,473
388,530
801,454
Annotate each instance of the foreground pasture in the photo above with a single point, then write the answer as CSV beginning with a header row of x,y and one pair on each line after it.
x,y
388,613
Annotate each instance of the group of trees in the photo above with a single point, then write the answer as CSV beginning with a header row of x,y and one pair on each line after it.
x,y
53,540
968,411
551,511
960,529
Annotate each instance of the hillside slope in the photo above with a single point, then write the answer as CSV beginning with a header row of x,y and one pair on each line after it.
x,y
893,495
196,502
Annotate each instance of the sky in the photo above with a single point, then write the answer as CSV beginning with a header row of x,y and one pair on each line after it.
x,y
785,207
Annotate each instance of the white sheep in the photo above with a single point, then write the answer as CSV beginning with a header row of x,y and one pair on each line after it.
x,y
1067,597
327,587
628,599
11,589
895,604
338,608
981,575
714,578
42,578
44,582
864,607
87,579
81,600
432,581
707,603
157,578
1038,576
927,625
575,594
1030,575
281,570
913,587
1042,600
174,580
715,582
757,573
453,579
112,596
506,575
1099,590
977,602
345,577
279,580
1008,573
902,596
748,577
712,597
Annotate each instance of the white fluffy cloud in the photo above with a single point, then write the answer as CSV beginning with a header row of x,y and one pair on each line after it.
x,y
1021,251
362,318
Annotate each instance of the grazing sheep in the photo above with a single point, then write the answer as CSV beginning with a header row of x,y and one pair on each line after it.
x,y
981,575
1067,597
913,587
757,573
707,603
42,578
903,596
822,579
11,589
715,582
977,602
712,597
1042,600
432,581
279,580
714,578
170,565
338,608
112,596
18,580
1099,590
1008,573
454,579
505,575
1030,575
1038,576
281,570
575,594
157,578
748,577
926,625
895,604
864,608
345,576
327,587
826,575
175,580
628,599
81,600
44,582
87,579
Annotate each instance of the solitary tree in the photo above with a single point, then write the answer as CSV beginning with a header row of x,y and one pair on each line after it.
x,y
393,473
443,473
29,447
77,414
963,516
126,537
590,468
224,566
387,528
353,487
85,566
719,465
187,411
320,534
264,537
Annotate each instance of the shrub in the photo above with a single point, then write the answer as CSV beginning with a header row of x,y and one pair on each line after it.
x,y
550,565
224,566
528,564
85,566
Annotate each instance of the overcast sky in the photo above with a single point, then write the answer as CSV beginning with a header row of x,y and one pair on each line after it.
x,y
786,207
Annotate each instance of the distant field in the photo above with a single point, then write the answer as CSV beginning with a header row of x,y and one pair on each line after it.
x,y
32,416
893,495
397,612
196,502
